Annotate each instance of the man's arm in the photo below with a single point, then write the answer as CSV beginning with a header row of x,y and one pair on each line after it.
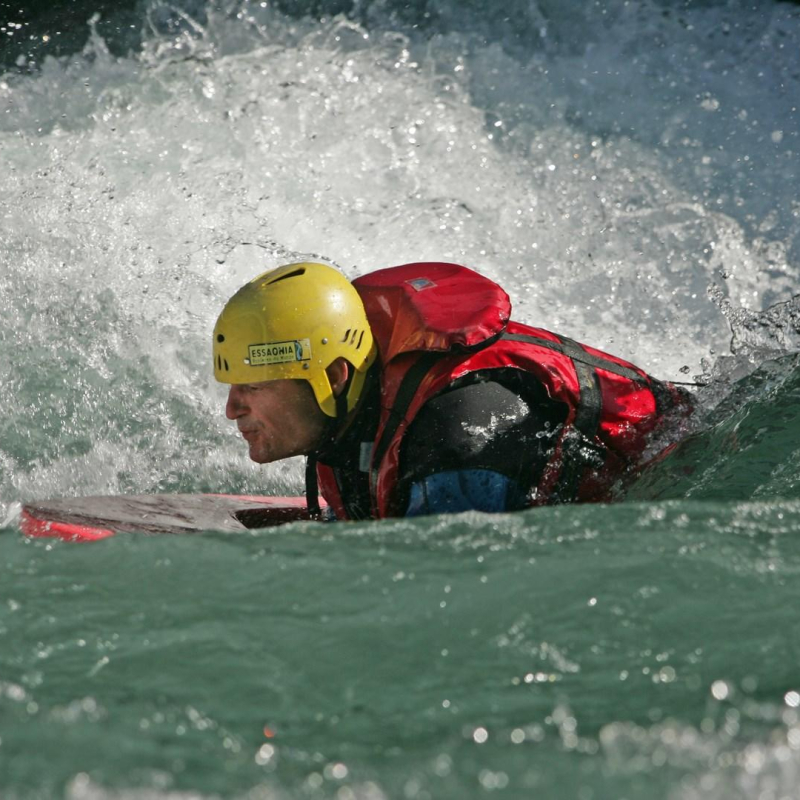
x,y
477,447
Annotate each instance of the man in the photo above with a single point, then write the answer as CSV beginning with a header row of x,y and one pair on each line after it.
x,y
411,392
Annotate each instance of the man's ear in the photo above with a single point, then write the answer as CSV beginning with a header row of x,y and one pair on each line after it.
x,y
338,373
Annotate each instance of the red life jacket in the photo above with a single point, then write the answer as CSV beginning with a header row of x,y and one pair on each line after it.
x,y
435,323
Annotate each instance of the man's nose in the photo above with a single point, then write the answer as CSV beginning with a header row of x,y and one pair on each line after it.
x,y
234,407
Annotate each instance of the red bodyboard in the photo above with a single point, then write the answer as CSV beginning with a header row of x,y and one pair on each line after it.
x,y
88,519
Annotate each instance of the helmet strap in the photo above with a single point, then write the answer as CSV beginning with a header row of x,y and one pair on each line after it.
x,y
312,488
334,425
341,402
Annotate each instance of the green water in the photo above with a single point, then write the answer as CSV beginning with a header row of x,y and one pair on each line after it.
x,y
627,170
585,644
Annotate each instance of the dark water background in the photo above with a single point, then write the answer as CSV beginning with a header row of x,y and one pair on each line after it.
x,y
628,170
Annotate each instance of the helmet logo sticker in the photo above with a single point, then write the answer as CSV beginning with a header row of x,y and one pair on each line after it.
x,y
279,352
421,283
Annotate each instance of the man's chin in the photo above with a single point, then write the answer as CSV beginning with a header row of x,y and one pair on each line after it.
x,y
265,452
260,456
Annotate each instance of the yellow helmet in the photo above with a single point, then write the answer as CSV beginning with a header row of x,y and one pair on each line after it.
x,y
293,322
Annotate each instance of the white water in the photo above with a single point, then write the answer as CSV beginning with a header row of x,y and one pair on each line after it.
x,y
625,171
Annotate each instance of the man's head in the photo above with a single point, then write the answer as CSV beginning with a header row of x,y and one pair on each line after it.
x,y
290,342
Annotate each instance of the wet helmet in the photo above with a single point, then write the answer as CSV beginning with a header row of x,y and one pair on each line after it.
x,y
293,322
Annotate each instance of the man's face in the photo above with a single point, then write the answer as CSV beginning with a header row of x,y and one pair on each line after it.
x,y
278,419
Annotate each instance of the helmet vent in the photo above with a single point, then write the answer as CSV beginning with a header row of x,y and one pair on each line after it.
x,y
293,274
346,335
227,368
360,339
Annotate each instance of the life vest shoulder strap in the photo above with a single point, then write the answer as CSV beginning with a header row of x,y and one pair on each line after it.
x,y
585,361
398,412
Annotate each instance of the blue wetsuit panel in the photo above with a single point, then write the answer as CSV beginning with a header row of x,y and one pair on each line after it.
x,y
464,490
